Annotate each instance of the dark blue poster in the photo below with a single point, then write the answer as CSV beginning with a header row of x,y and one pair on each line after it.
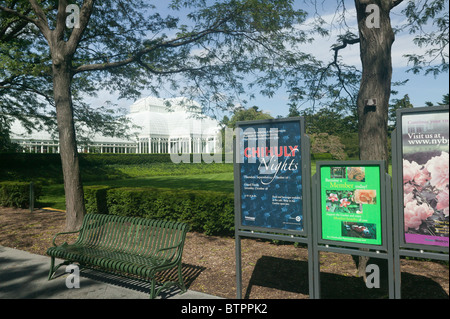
x,y
270,175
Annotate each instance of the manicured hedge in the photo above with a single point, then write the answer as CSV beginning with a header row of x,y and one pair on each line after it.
x,y
95,199
95,159
209,212
17,194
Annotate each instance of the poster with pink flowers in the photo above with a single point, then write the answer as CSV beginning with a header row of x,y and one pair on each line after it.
x,y
425,159
350,204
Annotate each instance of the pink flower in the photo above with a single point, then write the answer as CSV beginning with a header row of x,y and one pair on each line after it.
x,y
422,177
410,170
333,197
408,198
442,204
414,214
345,202
408,188
438,168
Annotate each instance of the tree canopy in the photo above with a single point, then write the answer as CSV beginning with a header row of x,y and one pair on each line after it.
x,y
129,47
250,114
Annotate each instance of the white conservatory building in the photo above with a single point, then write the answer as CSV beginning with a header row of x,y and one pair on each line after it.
x,y
158,126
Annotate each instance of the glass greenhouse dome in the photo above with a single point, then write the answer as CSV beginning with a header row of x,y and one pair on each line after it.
x,y
158,126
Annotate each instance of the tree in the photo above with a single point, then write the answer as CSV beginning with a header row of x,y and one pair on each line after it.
x,y
375,38
6,145
445,99
374,93
129,47
250,114
402,103
325,143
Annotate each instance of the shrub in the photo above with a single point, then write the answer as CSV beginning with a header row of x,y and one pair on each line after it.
x,y
351,145
95,159
325,143
209,212
95,199
17,194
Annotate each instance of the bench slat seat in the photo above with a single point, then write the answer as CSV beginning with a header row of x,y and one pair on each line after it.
x,y
129,245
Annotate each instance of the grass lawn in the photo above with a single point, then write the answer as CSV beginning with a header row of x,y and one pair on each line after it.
x,y
222,182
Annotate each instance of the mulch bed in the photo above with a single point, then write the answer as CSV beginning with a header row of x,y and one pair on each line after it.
x,y
269,271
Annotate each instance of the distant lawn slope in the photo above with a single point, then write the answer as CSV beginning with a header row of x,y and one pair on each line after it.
x,y
46,168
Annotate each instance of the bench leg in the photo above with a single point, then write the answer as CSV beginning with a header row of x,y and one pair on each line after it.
x,y
53,269
155,292
52,265
180,280
152,289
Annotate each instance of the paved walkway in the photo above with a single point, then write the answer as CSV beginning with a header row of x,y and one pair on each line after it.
x,y
24,276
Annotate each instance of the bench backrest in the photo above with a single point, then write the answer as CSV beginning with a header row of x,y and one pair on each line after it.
x,y
135,235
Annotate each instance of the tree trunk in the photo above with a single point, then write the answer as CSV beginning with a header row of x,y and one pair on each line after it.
x,y
373,98
73,187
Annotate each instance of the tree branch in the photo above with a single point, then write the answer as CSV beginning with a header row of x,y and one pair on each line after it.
x,y
154,71
18,14
13,28
60,20
41,21
85,14
174,43
345,42
395,3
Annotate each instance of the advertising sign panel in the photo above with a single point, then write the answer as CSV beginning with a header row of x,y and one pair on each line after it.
x,y
425,160
350,203
270,174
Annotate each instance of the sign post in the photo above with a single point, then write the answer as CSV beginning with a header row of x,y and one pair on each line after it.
x,y
420,159
272,185
351,213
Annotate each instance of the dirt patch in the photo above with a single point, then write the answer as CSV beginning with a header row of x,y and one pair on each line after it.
x,y
269,271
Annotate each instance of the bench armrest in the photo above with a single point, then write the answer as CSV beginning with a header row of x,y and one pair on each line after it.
x,y
63,233
167,248
171,255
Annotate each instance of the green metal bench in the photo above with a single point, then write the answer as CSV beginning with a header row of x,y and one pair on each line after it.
x,y
127,245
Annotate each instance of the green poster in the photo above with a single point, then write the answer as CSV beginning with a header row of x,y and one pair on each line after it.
x,y
350,204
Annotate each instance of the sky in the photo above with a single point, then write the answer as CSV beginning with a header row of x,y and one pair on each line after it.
x,y
419,88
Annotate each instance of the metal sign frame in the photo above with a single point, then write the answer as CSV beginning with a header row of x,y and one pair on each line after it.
x,y
382,198
241,230
383,251
397,171
401,247
305,176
